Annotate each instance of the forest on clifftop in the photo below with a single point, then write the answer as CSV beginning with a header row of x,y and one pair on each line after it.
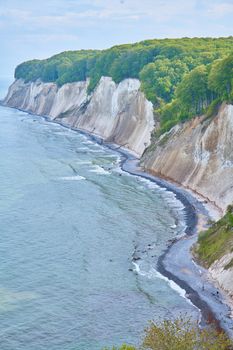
x,y
181,77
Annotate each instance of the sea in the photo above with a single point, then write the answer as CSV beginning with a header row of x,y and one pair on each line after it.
x,y
79,241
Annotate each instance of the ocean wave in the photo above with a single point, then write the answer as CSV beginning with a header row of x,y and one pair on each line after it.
x,y
72,178
117,169
168,195
152,273
96,150
148,183
99,170
88,142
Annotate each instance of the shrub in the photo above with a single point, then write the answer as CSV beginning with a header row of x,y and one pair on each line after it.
x,y
181,334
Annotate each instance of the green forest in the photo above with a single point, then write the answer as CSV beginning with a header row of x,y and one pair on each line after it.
x,y
181,77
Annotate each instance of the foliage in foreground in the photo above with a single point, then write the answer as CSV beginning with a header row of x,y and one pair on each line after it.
x,y
181,334
216,241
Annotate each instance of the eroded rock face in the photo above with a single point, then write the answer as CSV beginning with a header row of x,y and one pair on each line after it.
x,y
118,113
32,97
223,274
198,155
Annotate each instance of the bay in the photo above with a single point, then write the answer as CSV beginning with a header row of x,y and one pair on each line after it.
x,y
71,222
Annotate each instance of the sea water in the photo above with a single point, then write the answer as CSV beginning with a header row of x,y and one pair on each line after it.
x,y
79,242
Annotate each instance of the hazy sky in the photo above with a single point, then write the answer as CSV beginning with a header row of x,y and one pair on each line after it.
x,y
39,28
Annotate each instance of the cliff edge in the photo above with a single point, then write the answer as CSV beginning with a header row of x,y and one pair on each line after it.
x,y
198,154
118,113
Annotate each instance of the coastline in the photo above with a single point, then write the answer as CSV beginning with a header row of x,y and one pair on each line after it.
x,y
210,301
177,263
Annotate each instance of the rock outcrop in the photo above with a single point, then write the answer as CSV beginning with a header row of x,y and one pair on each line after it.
x,y
117,113
223,275
199,155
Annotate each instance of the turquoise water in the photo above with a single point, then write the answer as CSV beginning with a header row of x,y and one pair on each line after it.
x,y
71,221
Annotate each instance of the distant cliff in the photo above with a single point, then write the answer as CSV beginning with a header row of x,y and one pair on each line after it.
x,y
118,113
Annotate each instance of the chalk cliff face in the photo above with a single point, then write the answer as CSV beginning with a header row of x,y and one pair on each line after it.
x,y
118,113
223,275
198,155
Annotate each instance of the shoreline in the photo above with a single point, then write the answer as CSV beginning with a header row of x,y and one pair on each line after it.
x,y
215,312
210,301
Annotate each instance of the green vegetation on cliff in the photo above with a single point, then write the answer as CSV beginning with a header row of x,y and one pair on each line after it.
x,y
217,241
181,77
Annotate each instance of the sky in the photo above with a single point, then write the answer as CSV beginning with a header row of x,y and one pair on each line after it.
x,y
40,28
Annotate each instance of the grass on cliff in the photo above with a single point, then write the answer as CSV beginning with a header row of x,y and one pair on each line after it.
x,y
216,241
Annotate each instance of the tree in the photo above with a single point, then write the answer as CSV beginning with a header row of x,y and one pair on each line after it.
x,y
181,77
183,334
193,93
160,78
50,72
221,77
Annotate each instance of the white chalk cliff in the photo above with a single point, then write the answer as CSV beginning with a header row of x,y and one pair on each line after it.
x,y
197,154
117,113
223,275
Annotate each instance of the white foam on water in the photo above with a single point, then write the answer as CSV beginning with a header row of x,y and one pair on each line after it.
x,y
155,274
148,183
152,273
95,150
111,158
118,169
99,170
88,142
169,196
173,226
72,178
